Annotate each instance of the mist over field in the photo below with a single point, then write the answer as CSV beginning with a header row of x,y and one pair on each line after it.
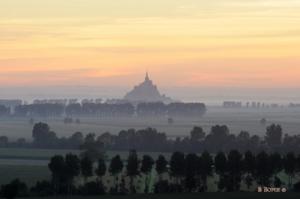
x,y
209,95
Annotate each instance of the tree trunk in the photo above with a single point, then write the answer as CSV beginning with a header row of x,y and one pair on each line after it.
x,y
146,184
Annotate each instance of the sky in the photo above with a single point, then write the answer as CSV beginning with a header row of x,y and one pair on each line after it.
x,y
182,43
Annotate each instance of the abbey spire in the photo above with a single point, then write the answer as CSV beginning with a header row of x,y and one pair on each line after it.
x,y
147,77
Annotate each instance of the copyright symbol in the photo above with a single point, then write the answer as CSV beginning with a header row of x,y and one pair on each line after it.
x,y
283,190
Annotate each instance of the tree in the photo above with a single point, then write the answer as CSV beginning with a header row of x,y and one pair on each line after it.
x,y
197,134
263,170
92,189
205,169
274,136
170,120
42,188
132,168
72,169
4,111
249,168
162,187
146,168
57,168
277,182
115,168
177,166
101,169
234,166
218,138
42,136
76,140
191,161
15,189
276,162
92,149
31,121
298,167
86,165
3,141
89,139
290,165
161,166
40,130
243,141
220,168
220,163
263,121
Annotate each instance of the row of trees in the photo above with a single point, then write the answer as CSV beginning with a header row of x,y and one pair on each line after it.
x,y
218,139
172,110
184,172
150,140
107,110
4,111
181,173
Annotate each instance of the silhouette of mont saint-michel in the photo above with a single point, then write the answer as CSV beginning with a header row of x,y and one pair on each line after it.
x,y
146,92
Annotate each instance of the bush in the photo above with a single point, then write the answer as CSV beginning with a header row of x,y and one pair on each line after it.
x,y
92,189
43,188
297,187
15,189
162,187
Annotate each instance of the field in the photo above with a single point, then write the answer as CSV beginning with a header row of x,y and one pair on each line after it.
x,y
31,165
29,174
46,154
235,119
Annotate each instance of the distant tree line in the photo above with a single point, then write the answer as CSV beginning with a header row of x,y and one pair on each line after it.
x,y
150,140
4,111
171,110
218,139
106,110
182,173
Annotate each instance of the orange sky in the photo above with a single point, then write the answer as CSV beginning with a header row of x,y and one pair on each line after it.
x,y
181,43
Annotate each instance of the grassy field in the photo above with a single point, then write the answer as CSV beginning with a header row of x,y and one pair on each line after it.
x,y
200,195
28,174
35,154
30,165
236,119
46,154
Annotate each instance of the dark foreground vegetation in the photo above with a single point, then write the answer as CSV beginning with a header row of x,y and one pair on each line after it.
x,y
191,196
183,173
150,140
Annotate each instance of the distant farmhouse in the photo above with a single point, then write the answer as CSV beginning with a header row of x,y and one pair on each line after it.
x,y
146,92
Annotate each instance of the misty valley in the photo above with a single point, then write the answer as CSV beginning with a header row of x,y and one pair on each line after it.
x,y
184,136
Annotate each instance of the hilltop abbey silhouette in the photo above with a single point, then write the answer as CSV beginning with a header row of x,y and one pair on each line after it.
x,y
146,92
